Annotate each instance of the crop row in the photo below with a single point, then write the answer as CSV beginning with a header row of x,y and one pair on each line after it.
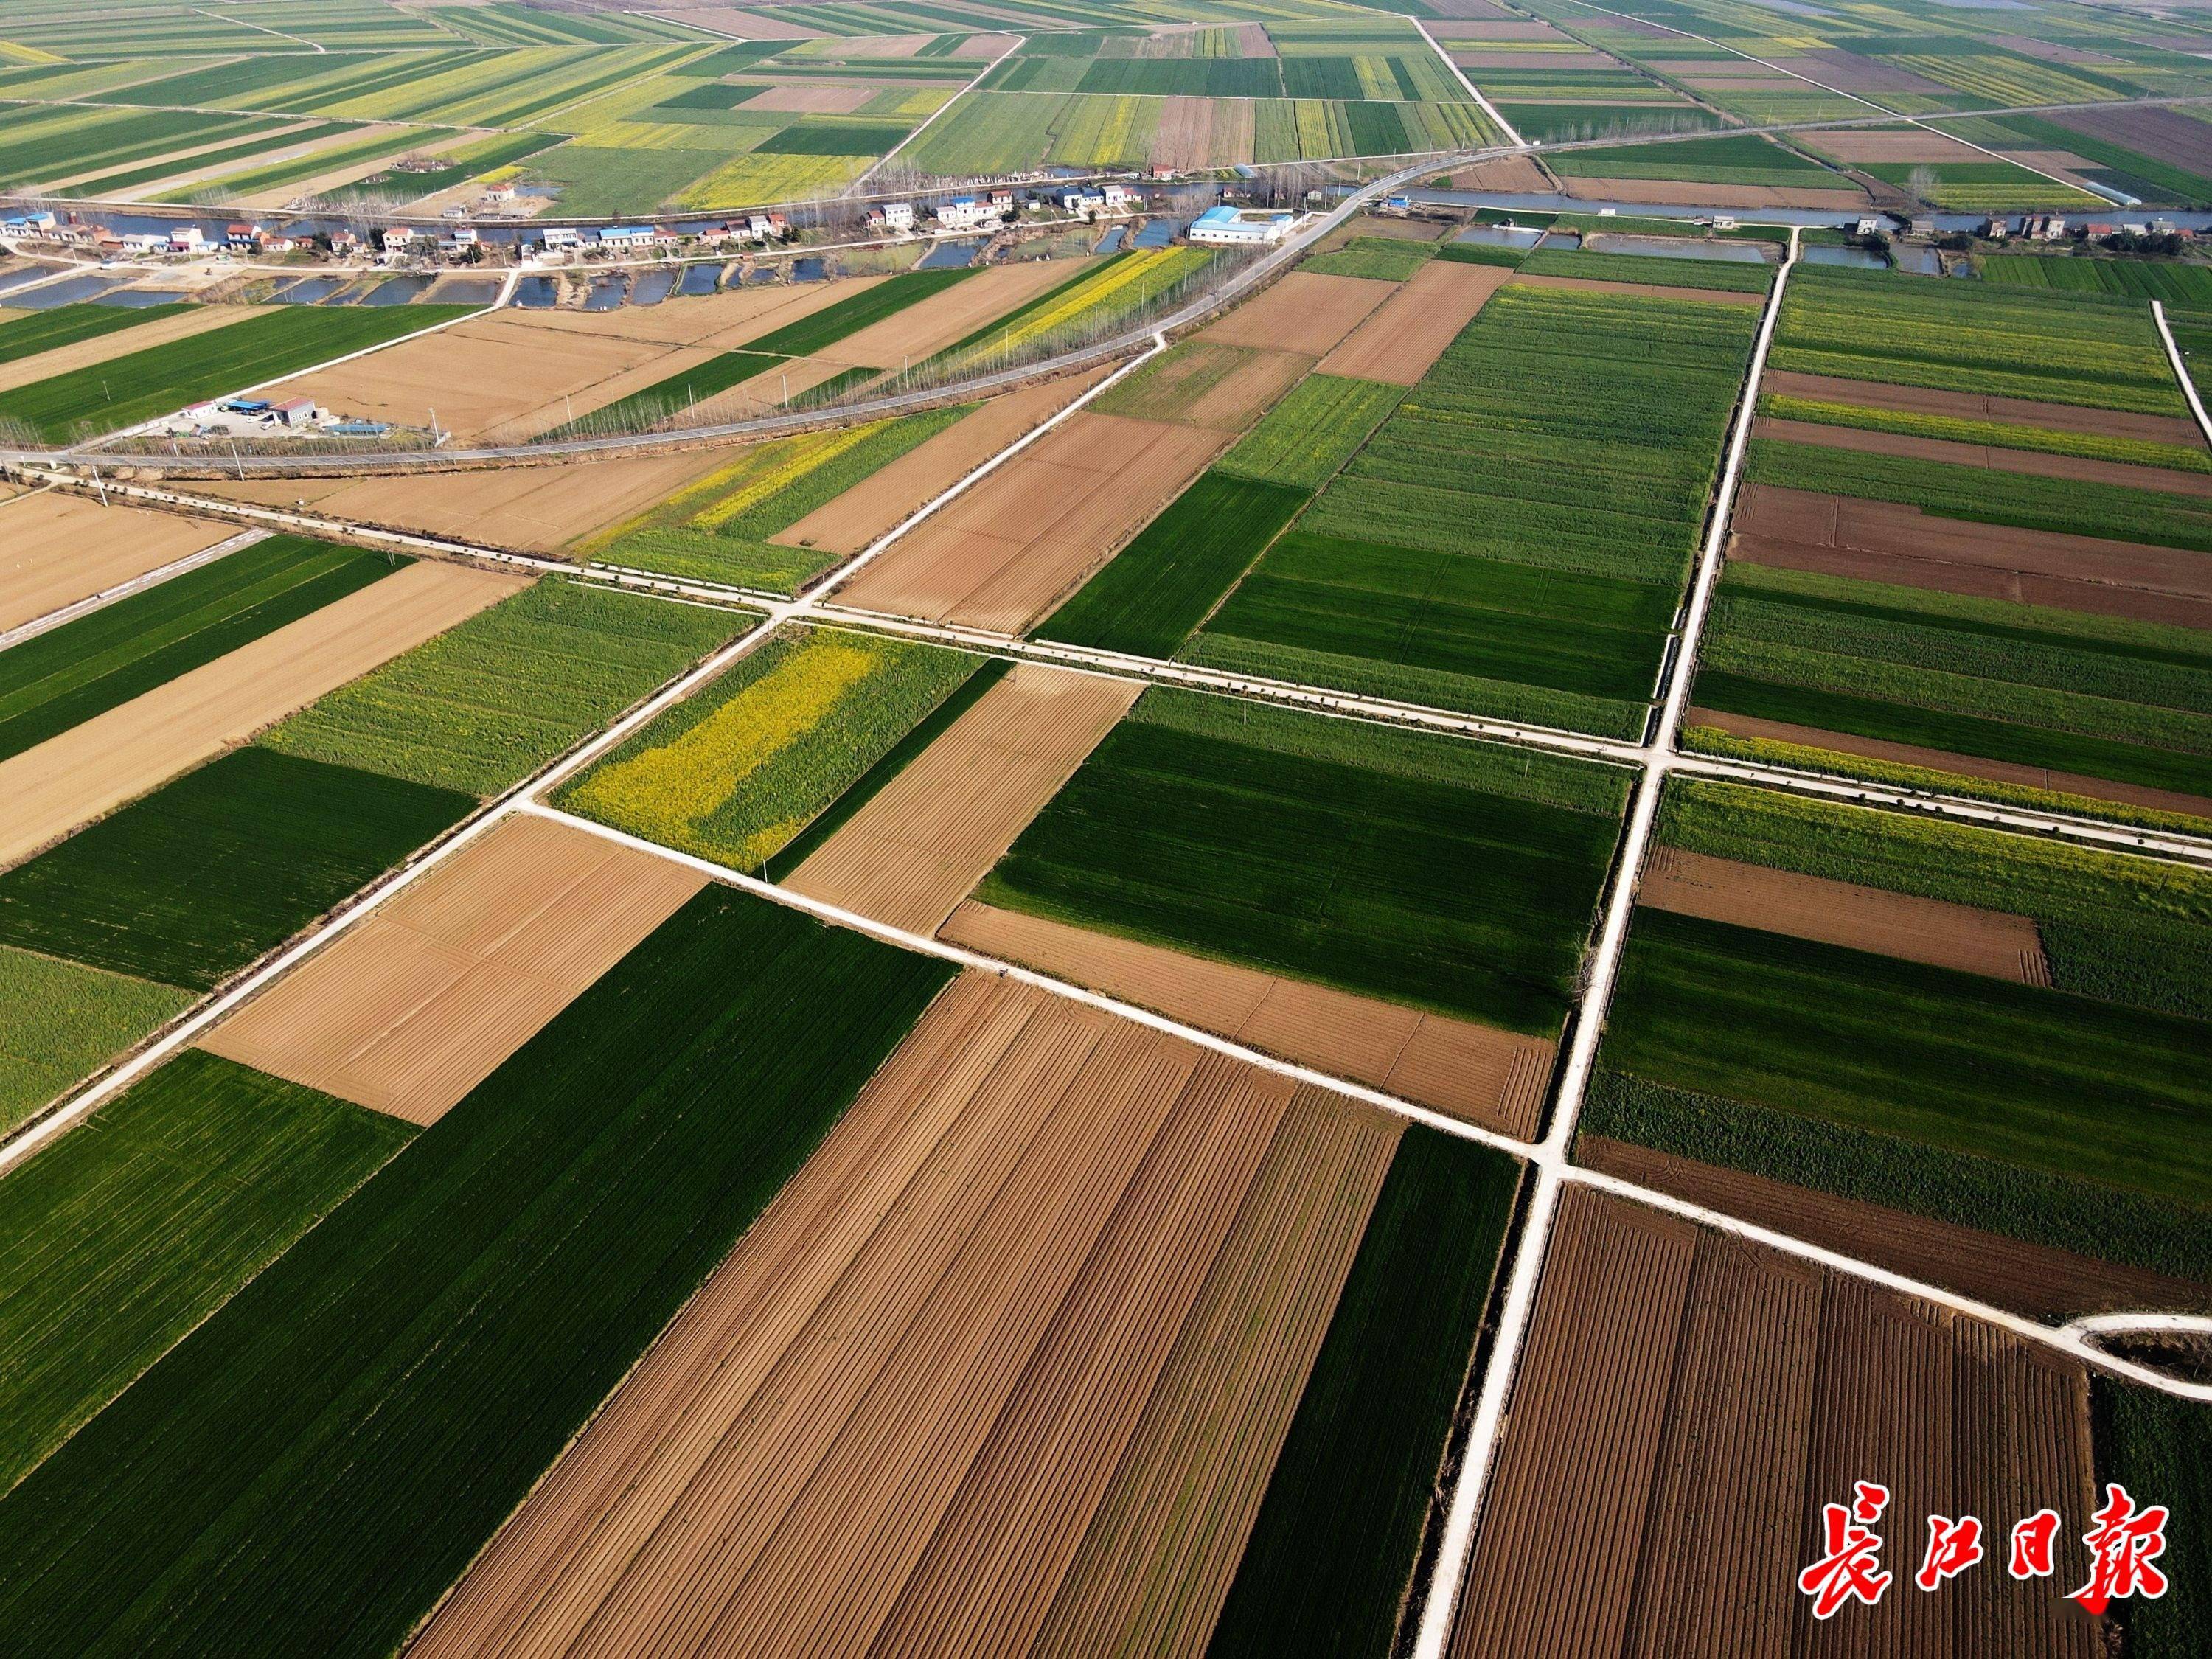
x,y
484,704
735,771
61,1021
1380,258
1316,428
2176,284
2001,435
1650,271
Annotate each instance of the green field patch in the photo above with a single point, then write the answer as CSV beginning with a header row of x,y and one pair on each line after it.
x,y
1380,258
1316,426
60,1023
1739,160
313,1467
1482,253
1243,833
828,136
1149,597
1977,186
1999,434
465,161
735,771
720,528
592,181
141,1220
67,675
2176,284
486,703
824,328
1363,1457
2160,1449
2064,1084
161,379
330,159
1963,1187
56,143
679,394
2098,351
48,330
188,884
1553,124
1650,270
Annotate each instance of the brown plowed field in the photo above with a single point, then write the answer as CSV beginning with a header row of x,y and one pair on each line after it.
x,y
951,315
56,549
1518,174
1847,71
890,1420
416,1005
1520,60
1411,328
921,846
721,321
1003,554
1184,140
1687,1401
532,509
1914,144
1982,406
1466,27
879,502
1303,313
1476,1072
2007,1272
810,101
93,768
2167,134
1210,385
2032,463
1942,760
121,343
1887,541
1711,296
1901,925
1689,193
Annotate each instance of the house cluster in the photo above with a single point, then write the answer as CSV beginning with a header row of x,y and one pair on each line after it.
x,y
187,239
996,207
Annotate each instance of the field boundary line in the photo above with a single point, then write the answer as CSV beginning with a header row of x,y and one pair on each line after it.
x,y
2181,369
108,596
1473,90
930,946
1020,40
1603,969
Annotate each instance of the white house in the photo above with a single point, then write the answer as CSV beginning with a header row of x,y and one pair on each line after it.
x,y
898,215
563,236
1242,227
1118,195
964,212
627,236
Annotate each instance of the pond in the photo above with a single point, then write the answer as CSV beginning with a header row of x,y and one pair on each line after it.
x,y
951,255
653,287
1676,247
397,292
1111,241
307,290
606,291
1523,236
1158,233
699,279
67,291
140,298
808,271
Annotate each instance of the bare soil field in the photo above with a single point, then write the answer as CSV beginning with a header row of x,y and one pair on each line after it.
x,y
528,510
121,343
1711,296
951,314
1990,457
2167,134
1475,1073
1686,1404
809,100
2028,1278
1903,925
1888,542
418,1005
275,149
1211,385
890,1419
1942,760
1495,24
1692,193
1516,175
1303,312
1185,138
920,847
56,548
878,503
1003,554
1411,328
1982,406
1848,72
113,757
720,321
1855,144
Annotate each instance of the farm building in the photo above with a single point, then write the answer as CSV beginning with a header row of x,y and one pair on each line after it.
x,y
1242,227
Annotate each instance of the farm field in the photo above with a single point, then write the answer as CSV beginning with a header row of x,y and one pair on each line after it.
x,y
1237,878
2041,1110
1685,1397
424,1315
1398,583
62,549
736,770
1032,1153
412,1009
114,756
199,1176
81,345
42,331
264,347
